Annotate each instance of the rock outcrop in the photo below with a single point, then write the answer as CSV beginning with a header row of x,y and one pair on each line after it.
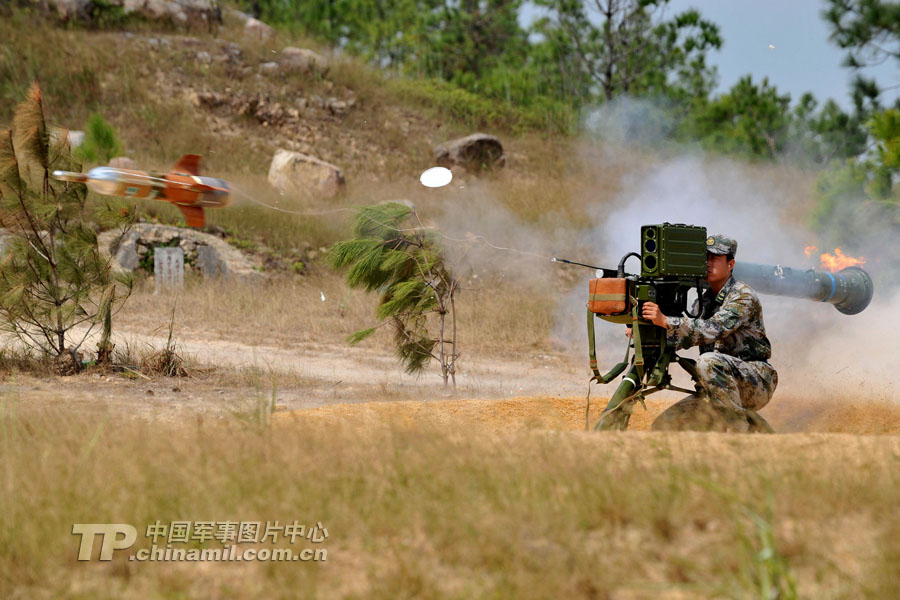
x,y
123,162
302,60
256,29
303,174
178,11
204,254
476,152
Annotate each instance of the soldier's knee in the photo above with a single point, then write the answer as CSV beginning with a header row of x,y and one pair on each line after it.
x,y
709,365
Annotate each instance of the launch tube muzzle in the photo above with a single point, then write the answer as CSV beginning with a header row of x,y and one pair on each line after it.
x,y
850,290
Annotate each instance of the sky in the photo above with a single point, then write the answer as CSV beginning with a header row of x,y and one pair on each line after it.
x,y
802,58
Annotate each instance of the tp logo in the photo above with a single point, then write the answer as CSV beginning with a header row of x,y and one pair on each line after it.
x,y
111,540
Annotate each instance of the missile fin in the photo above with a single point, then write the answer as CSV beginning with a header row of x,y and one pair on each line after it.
x,y
188,164
193,215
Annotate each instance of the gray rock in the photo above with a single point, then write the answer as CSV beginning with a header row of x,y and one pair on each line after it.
x,y
212,256
304,174
208,262
5,240
74,137
269,67
123,162
182,11
240,16
337,107
233,51
72,9
476,152
257,29
302,60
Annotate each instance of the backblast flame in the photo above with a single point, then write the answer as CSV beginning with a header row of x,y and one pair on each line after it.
x,y
837,261
809,250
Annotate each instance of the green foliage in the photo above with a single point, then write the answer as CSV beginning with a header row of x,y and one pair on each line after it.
x,y
100,142
478,112
858,200
750,119
393,255
52,277
870,32
826,135
608,48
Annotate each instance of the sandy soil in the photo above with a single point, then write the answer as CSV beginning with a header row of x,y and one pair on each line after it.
x,y
331,381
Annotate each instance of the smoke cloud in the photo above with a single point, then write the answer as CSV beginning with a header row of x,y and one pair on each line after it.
x,y
818,352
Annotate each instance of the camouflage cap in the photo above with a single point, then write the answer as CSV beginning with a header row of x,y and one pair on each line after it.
x,y
720,244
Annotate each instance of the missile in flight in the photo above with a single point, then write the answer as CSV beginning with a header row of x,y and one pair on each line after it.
x,y
183,186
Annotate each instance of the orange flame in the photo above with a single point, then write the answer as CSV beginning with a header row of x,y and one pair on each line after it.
x,y
809,250
839,260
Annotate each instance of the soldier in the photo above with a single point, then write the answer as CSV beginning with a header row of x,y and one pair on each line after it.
x,y
733,371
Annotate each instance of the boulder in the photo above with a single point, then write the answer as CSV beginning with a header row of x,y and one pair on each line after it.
x,y
74,137
476,152
302,60
296,172
6,239
180,11
256,29
204,253
269,67
123,162
69,10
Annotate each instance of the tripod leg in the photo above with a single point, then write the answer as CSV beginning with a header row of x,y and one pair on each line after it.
x,y
617,412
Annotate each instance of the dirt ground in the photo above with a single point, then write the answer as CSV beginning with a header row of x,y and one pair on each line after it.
x,y
335,381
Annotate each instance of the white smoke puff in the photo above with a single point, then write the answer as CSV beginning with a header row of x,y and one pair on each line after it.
x,y
814,346
483,236
711,193
627,121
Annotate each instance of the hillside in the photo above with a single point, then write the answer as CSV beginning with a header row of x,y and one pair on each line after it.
x,y
489,490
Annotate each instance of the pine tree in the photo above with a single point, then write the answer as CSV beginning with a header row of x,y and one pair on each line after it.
x,y
393,254
100,142
53,278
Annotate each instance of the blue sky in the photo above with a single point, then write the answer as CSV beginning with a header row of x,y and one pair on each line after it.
x,y
802,58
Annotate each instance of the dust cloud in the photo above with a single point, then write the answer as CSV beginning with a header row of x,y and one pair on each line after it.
x,y
820,354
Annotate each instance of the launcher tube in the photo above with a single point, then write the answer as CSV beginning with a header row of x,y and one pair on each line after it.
x,y
850,290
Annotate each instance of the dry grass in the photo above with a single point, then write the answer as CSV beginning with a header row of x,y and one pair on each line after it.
x,y
427,503
289,311
430,509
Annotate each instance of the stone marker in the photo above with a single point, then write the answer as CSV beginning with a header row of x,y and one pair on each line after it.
x,y
168,266
208,262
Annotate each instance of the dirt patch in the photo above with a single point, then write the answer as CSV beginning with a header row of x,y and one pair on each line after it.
x,y
541,412
568,414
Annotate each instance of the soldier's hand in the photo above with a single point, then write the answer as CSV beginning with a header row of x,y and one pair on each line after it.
x,y
651,312
628,332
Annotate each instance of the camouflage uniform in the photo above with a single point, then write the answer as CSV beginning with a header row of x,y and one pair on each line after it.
x,y
733,368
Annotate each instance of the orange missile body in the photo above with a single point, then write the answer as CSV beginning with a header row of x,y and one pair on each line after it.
x,y
182,186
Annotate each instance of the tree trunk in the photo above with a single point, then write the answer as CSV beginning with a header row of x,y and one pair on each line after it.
x,y
455,348
444,370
